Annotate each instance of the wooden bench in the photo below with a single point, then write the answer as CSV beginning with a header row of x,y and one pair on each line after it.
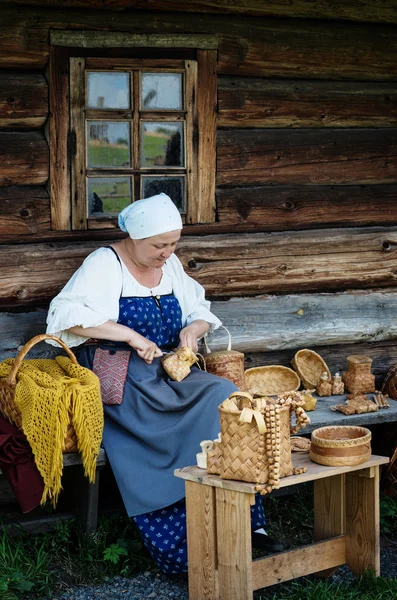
x,y
346,529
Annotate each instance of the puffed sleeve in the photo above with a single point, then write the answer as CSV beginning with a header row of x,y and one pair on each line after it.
x,y
90,298
191,296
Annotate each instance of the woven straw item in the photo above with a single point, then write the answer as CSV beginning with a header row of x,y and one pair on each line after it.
x,y
271,380
226,363
309,365
340,446
8,408
244,449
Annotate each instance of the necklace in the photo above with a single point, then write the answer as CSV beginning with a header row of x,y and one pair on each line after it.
x,y
137,277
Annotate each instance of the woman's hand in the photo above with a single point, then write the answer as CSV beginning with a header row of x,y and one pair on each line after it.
x,y
145,349
190,334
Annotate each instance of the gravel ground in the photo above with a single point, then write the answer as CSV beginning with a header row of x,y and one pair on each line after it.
x,y
160,587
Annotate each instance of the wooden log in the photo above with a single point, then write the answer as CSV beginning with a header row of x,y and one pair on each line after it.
x,y
307,156
24,211
227,265
253,102
25,159
292,49
276,47
340,9
264,324
23,100
278,208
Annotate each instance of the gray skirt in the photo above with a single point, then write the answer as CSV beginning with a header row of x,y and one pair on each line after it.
x,y
158,428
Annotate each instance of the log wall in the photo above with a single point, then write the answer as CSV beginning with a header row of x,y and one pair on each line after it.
x,y
306,184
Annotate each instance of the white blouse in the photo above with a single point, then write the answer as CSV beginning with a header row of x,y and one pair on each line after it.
x,y
91,296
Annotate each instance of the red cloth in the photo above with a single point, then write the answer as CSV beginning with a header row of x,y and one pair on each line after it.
x,y
18,466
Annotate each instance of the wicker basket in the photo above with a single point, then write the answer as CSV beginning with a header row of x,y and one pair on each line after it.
x,y
9,409
226,363
309,365
255,441
340,446
271,380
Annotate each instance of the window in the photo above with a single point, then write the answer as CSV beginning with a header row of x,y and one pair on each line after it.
x,y
135,127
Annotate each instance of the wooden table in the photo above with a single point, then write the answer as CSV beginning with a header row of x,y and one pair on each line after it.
x,y
346,529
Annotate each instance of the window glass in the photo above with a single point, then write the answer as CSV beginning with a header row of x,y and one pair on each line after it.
x,y
162,144
108,195
161,91
108,90
108,144
172,186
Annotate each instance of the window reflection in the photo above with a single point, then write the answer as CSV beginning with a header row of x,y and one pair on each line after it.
x,y
108,195
172,186
162,91
108,144
162,145
108,90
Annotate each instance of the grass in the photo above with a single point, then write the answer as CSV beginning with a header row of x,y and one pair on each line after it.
x,y
33,567
36,566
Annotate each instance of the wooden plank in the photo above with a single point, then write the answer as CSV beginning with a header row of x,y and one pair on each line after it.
x,y
233,530
23,100
233,265
24,159
201,541
58,131
362,523
24,211
120,64
340,9
299,562
114,39
307,156
292,49
254,102
314,472
292,207
77,131
329,511
191,151
204,199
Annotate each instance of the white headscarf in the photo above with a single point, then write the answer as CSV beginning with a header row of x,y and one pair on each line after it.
x,y
150,216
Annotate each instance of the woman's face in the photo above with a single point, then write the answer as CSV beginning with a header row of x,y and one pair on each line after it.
x,y
155,250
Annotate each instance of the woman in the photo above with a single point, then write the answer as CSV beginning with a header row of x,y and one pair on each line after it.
x,y
135,295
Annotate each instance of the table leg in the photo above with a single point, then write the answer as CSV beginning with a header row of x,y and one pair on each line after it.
x,y
362,520
201,541
233,522
329,511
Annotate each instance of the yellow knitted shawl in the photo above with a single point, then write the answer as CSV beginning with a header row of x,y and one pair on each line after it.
x,y
48,391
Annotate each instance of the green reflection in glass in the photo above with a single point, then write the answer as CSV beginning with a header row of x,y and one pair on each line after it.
x,y
108,195
162,145
108,144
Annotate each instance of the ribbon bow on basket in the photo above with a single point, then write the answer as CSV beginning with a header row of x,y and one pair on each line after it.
x,y
255,438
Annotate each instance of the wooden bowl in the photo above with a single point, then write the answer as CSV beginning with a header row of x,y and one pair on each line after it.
x,y
271,380
340,446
